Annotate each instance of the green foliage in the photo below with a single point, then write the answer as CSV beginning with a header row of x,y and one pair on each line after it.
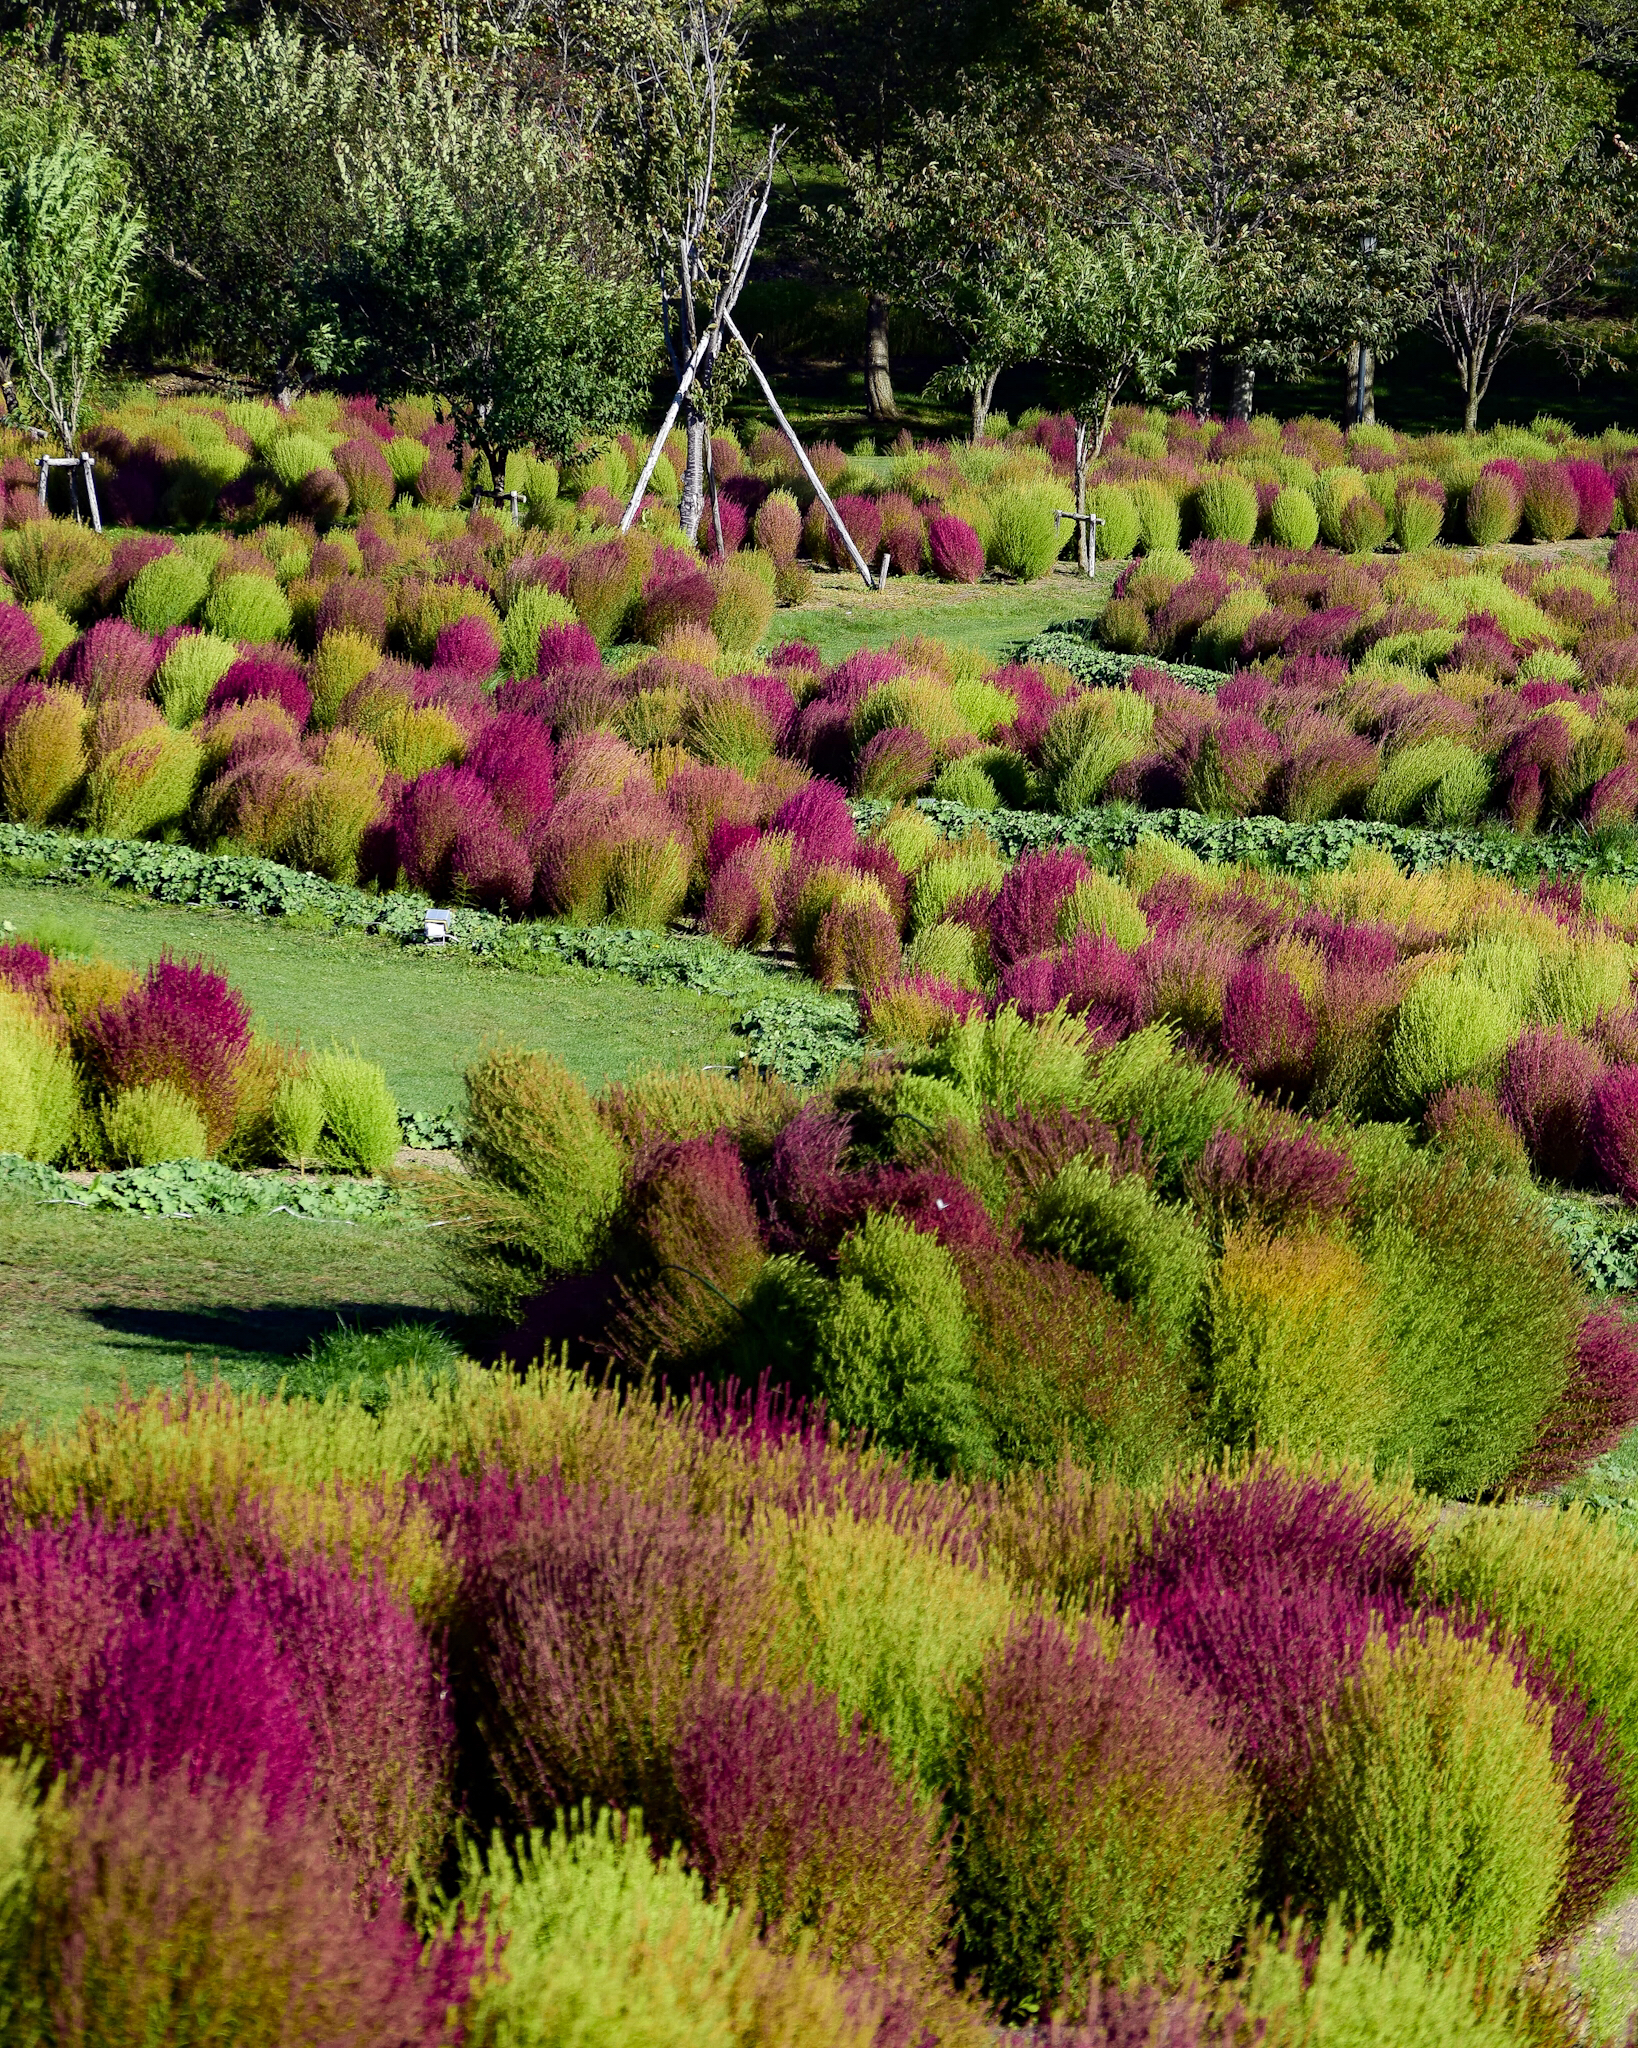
x,y
483,266
1174,1105
186,1187
1480,1310
1410,777
166,593
552,1172
68,241
1024,541
1227,508
144,785
1005,1062
1147,1252
1296,1346
294,456
893,1347
192,668
894,1626
1292,521
1565,1579
1448,1027
250,608
1121,529
144,1126
298,1116
367,1366
360,1131
532,610
1436,1810
39,1089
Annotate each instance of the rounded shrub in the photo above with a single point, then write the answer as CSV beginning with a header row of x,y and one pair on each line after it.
x,y
533,1137
1160,518
43,759
192,667
291,457
1100,1817
1551,507
247,608
1419,513
1024,542
777,527
360,1116
1612,1130
1362,525
366,472
1292,520
1226,506
956,552
893,1347
1120,531
1298,1352
166,592
744,606
1495,505
1435,1808
39,1088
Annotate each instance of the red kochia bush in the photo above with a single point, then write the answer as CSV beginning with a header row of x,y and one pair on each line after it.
x,y
1267,1030
277,681
689,1246
23,965
469,646
353,604
113,660
150,1903
196,1687
1547,1081
1612,1130
1278,1181
1100,1816
956,551
181,1024
592,1627
798,1815
514,757
1025,917
818,819
452,838
63,1594
1596,1408
20,650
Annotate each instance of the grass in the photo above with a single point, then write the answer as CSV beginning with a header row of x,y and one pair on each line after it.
x,y
423,1015
842,615
91,1303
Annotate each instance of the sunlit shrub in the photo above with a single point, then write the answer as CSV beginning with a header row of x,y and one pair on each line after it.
x,y
181,1025
144,785
55,560
1292,519
39,1090
43,758
252,609
1024,542
1435,1808
360,1132
1101,1817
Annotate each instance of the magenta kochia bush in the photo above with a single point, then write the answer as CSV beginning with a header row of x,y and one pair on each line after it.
x,y
1596,1409
1547,1082
1099,1817
258,677
1025,917
181,1024
1612,1130
689,1248
589,1630
112,660
791,1808
196,1687
150,1903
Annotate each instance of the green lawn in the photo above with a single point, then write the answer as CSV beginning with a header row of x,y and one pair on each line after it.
x,y
93,1302
994,617
421,1014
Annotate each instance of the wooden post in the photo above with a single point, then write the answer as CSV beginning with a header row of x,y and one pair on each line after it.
x,y
684,384
91,493
808,469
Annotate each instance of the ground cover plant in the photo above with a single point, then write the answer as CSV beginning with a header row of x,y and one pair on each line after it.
x,y
756,1736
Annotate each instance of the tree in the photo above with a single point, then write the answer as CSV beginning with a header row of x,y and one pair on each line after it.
x,y
68,238
1520,208
958,224
853,77
233,145
1122,310
484,265
1193,117
703,192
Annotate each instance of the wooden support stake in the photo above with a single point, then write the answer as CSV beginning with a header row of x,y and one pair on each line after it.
x,y
808,469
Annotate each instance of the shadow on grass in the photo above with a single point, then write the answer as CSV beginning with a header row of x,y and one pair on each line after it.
x,y
271,1329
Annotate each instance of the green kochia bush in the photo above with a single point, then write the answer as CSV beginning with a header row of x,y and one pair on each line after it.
x,y
893,1348
1024,541
1436,1808
360,1128
547,1176
1227,507
1480,1310
166,593
1145,1251
1566,1581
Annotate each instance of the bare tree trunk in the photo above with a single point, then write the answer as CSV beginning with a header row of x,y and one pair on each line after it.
x,y
1243,381
1204,368
879,401
982,395
692,501
1350,395
1472,392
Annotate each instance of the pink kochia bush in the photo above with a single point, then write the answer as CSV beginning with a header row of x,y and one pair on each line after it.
x,y
181,1024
